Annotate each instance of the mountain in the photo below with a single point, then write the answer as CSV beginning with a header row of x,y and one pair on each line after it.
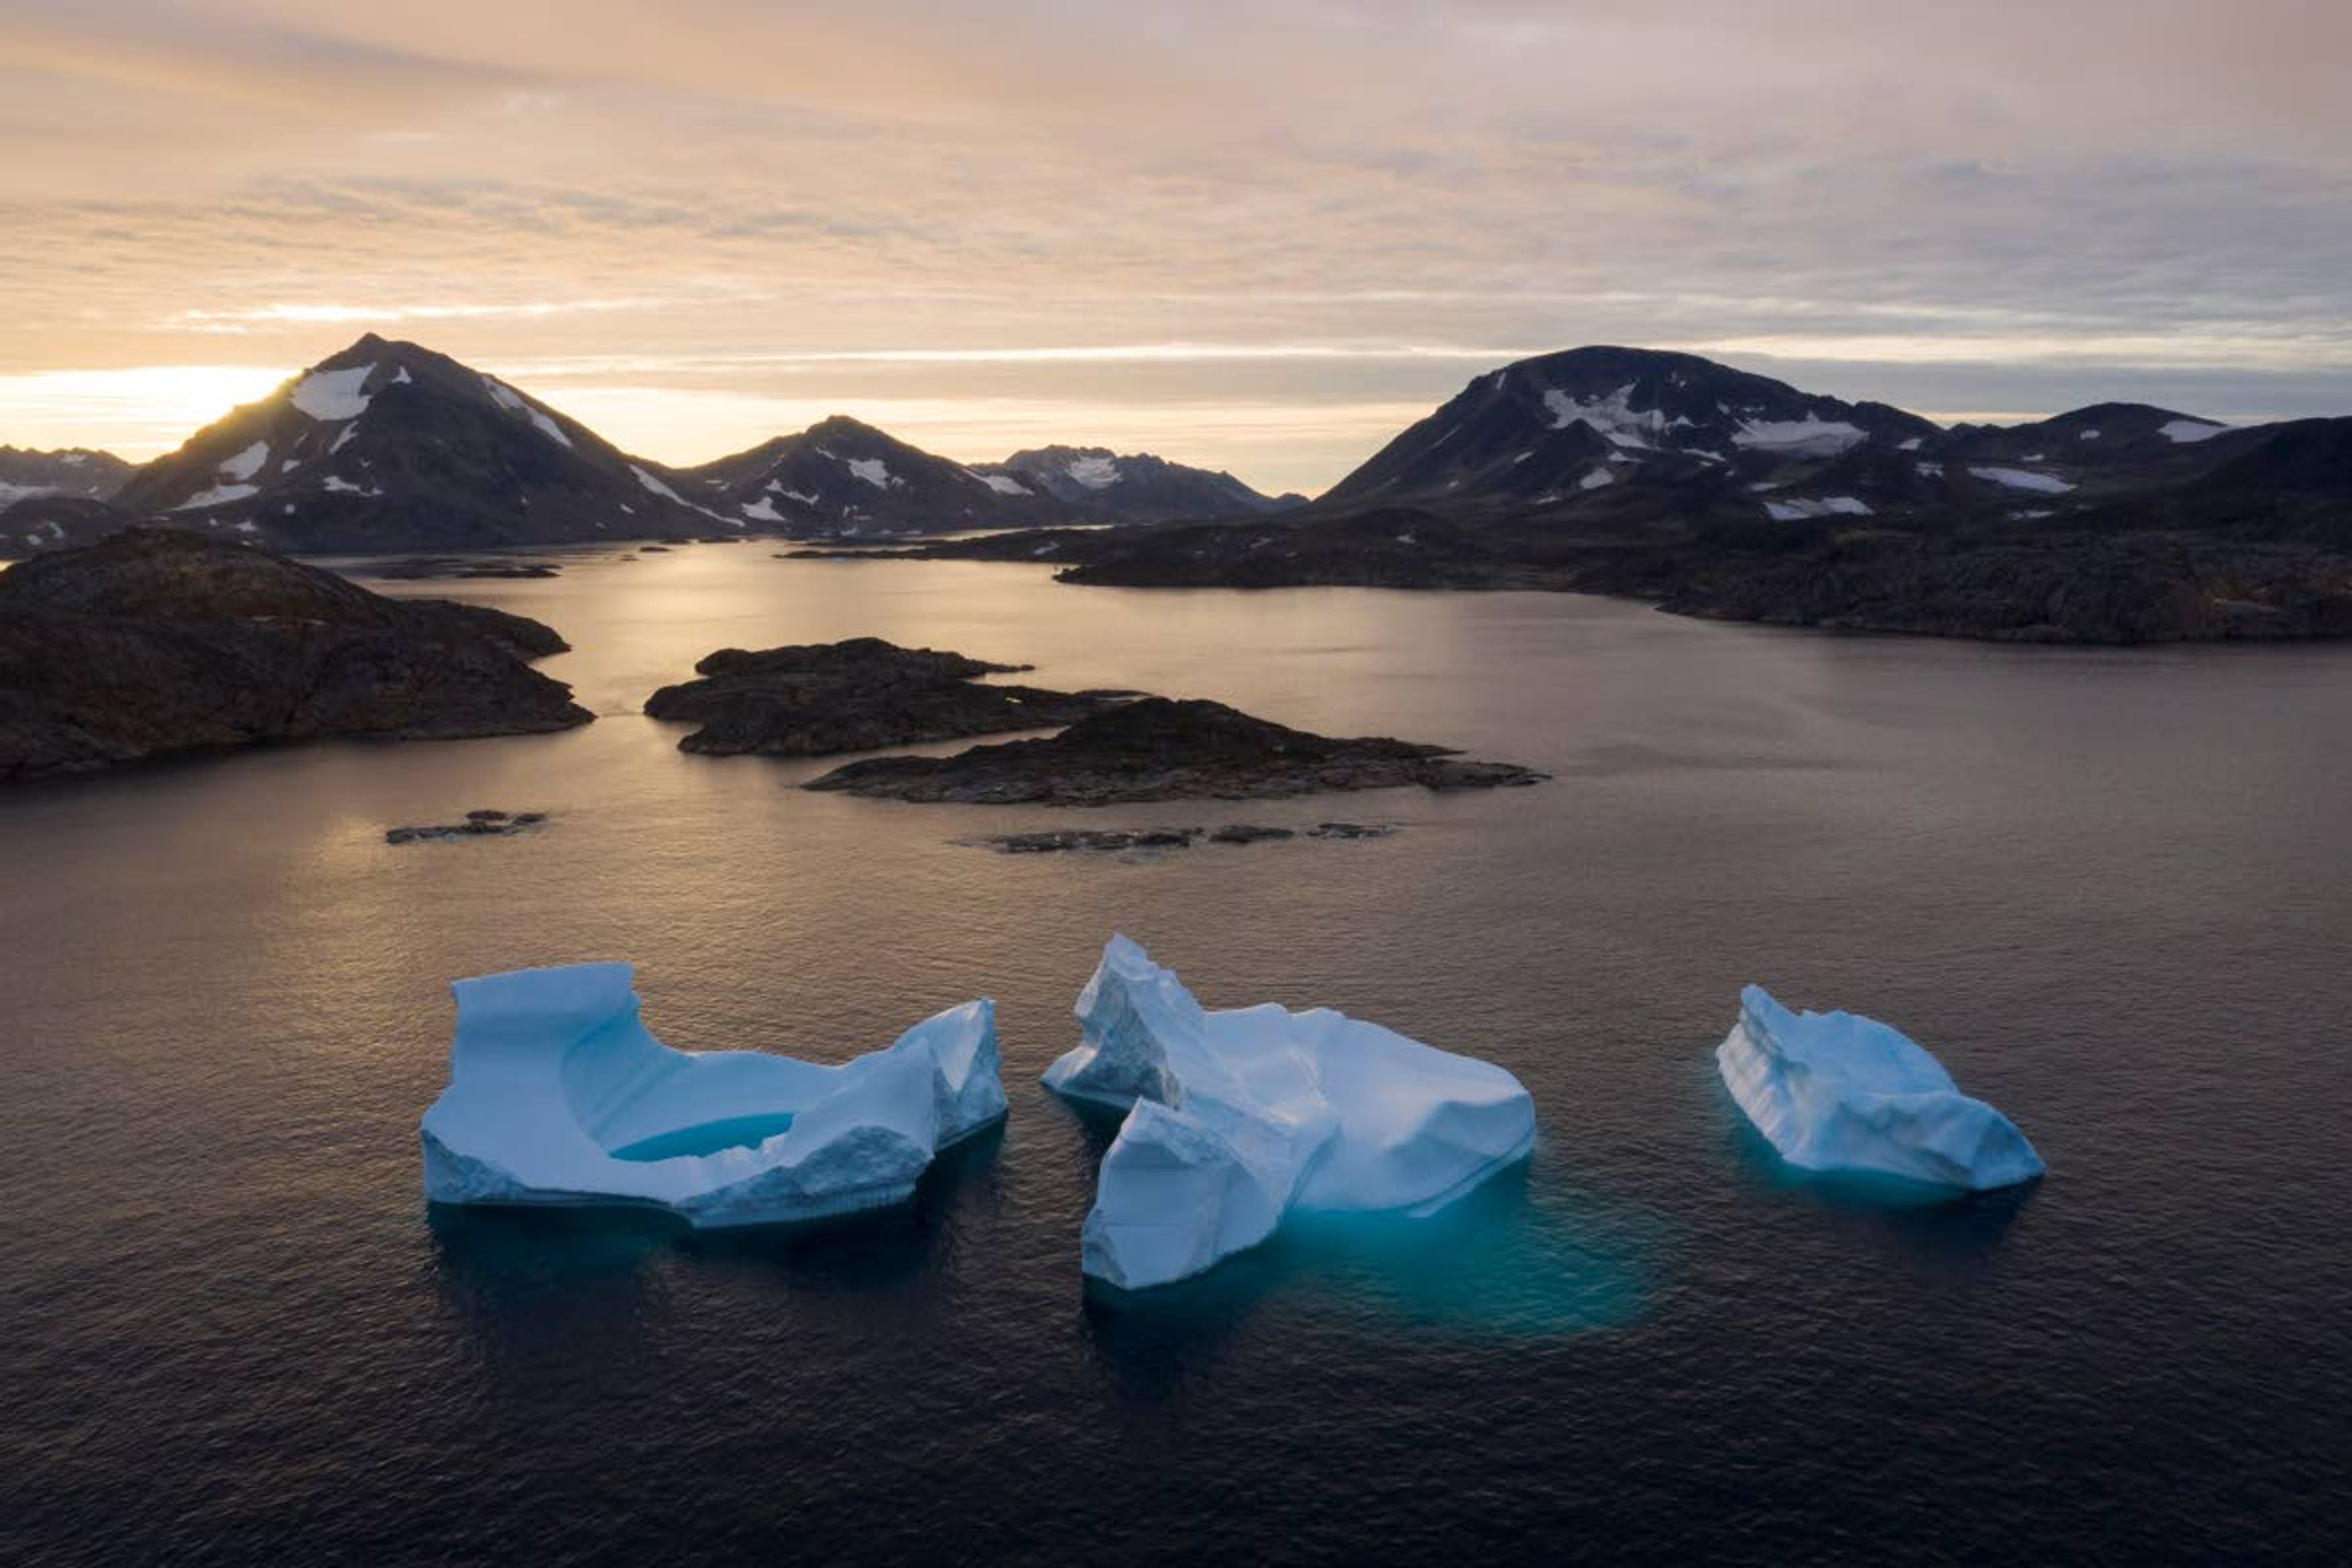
x,y
1568,425
840,477
388,446
74,472
1097,485
158,640
844,479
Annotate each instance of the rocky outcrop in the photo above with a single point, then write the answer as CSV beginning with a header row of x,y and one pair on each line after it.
x,y
861,695
1161,749
485,822
155,641
1117,840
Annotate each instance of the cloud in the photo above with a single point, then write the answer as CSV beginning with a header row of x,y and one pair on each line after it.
x,y
1124,213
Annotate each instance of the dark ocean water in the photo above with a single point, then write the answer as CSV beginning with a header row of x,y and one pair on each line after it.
x,y
2110,889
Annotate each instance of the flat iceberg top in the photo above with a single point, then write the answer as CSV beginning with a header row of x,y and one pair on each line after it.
x,y
558,1094
1835,1092
1241,1116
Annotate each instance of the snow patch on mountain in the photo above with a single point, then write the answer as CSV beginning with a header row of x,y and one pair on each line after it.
x,y
247,463
656,485
513,402
2023,479
1798,437
1827,506
219,495
1005,485
874,471
2188,432
329,395
1096,472
1613,416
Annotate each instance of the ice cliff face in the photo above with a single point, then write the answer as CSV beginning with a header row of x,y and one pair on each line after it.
x,y
1244,1115
558,1094
1833,1092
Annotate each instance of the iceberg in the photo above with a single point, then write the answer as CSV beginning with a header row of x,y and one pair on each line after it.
x,y
559,1094
1241,1116
1837,1093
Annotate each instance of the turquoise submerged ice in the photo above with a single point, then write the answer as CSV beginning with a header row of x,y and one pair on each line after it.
x,y
1833,1092
1242,1116
558,1094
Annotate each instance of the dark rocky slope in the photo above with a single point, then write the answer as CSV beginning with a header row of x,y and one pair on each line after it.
x,y
856,696
1161,749
154,641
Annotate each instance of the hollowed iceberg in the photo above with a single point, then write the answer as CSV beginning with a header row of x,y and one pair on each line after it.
x,y
1833,1092
558,1094
1242,1116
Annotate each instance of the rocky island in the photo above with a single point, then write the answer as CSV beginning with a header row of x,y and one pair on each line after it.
x,y
154,641
1160,748
861,695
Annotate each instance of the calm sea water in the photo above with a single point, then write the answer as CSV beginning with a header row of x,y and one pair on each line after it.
x,y
2108,888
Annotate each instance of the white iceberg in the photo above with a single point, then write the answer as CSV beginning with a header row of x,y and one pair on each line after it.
x,y
558,1094
1833,1092
1244,1115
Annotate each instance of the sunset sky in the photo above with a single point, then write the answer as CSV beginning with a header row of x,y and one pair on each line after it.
x,y
1254,235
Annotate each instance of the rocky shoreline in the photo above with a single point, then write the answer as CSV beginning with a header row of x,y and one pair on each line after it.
x,y
156,641
2001,583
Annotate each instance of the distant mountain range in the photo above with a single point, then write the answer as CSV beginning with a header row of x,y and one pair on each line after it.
x,y
75,472
1719,493
1663,475
389,446
1102,485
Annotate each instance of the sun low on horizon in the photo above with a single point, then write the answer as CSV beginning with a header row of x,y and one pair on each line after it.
x,y
1251,238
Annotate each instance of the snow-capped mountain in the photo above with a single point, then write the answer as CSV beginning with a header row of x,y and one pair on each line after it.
x,y
1099,485
842,477
75,472
1627,441
1565,425
388,446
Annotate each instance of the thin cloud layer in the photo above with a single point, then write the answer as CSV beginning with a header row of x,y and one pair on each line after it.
x,y
1242,235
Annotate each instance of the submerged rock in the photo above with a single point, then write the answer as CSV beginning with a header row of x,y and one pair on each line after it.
x,y
1160,749
426,567
158,640
856,696
1837,1093
483,824
1242,1116
559,1095
1110,841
